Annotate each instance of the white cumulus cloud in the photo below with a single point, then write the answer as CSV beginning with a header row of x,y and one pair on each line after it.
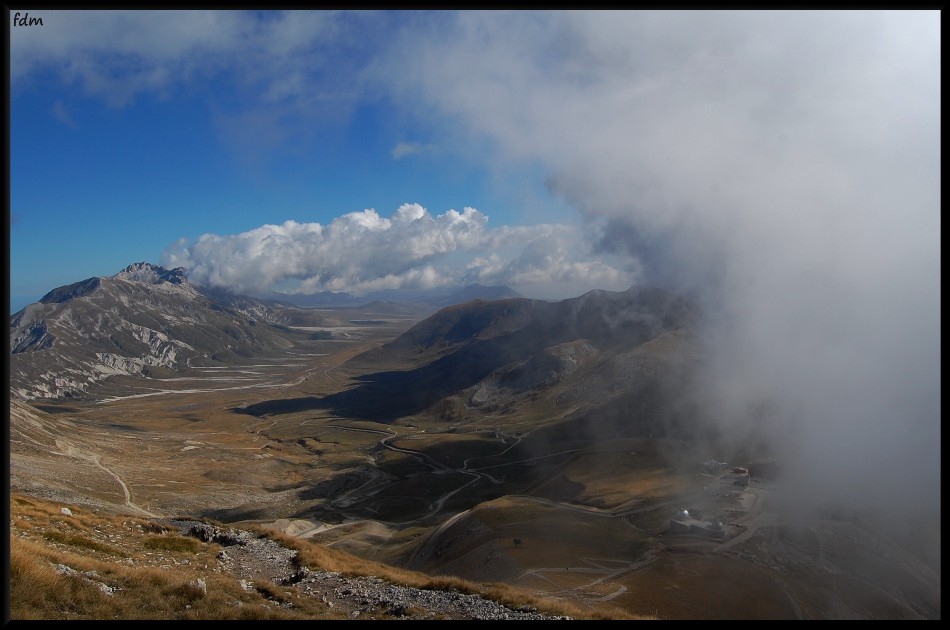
x,y
364,251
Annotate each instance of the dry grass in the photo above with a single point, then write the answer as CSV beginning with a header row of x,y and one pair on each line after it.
x,y
144,570
147,572
38,591
186,454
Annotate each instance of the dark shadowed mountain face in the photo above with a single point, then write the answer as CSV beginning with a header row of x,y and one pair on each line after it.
x,y
586,352
75,290
604,317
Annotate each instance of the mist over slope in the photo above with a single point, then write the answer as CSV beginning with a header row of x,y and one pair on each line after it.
x,y
783,167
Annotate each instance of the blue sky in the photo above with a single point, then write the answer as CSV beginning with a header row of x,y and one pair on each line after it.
x,y
597,150
94,188
103,175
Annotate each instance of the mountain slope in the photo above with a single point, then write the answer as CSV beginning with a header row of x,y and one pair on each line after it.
x,y
144,317
603,317
492,354
71,562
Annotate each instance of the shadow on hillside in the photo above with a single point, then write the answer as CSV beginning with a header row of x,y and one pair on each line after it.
x,y
55,408
386,396
622,320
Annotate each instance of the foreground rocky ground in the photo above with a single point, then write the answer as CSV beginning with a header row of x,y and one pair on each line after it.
x,y
70,562
251,558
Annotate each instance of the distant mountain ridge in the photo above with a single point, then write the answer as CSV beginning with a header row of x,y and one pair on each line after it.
x,y
603,317
147,317
433,298
474,291
600,350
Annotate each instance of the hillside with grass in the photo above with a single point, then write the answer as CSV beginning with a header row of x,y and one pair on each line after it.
x,y
70,563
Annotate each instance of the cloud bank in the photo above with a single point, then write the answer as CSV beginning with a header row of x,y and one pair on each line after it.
x,y
361,252
783,166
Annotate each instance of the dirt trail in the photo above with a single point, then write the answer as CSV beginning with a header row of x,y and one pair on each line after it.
x,y
69,449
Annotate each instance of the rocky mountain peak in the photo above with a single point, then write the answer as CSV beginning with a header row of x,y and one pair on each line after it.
x,y
151,274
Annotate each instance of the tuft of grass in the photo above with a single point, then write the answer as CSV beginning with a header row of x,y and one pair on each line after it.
x,y
177,544
184,593
75,540
270,591
154,528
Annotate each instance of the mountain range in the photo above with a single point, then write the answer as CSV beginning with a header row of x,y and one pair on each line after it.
x,y
492,355
435,298
551,446
147,320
